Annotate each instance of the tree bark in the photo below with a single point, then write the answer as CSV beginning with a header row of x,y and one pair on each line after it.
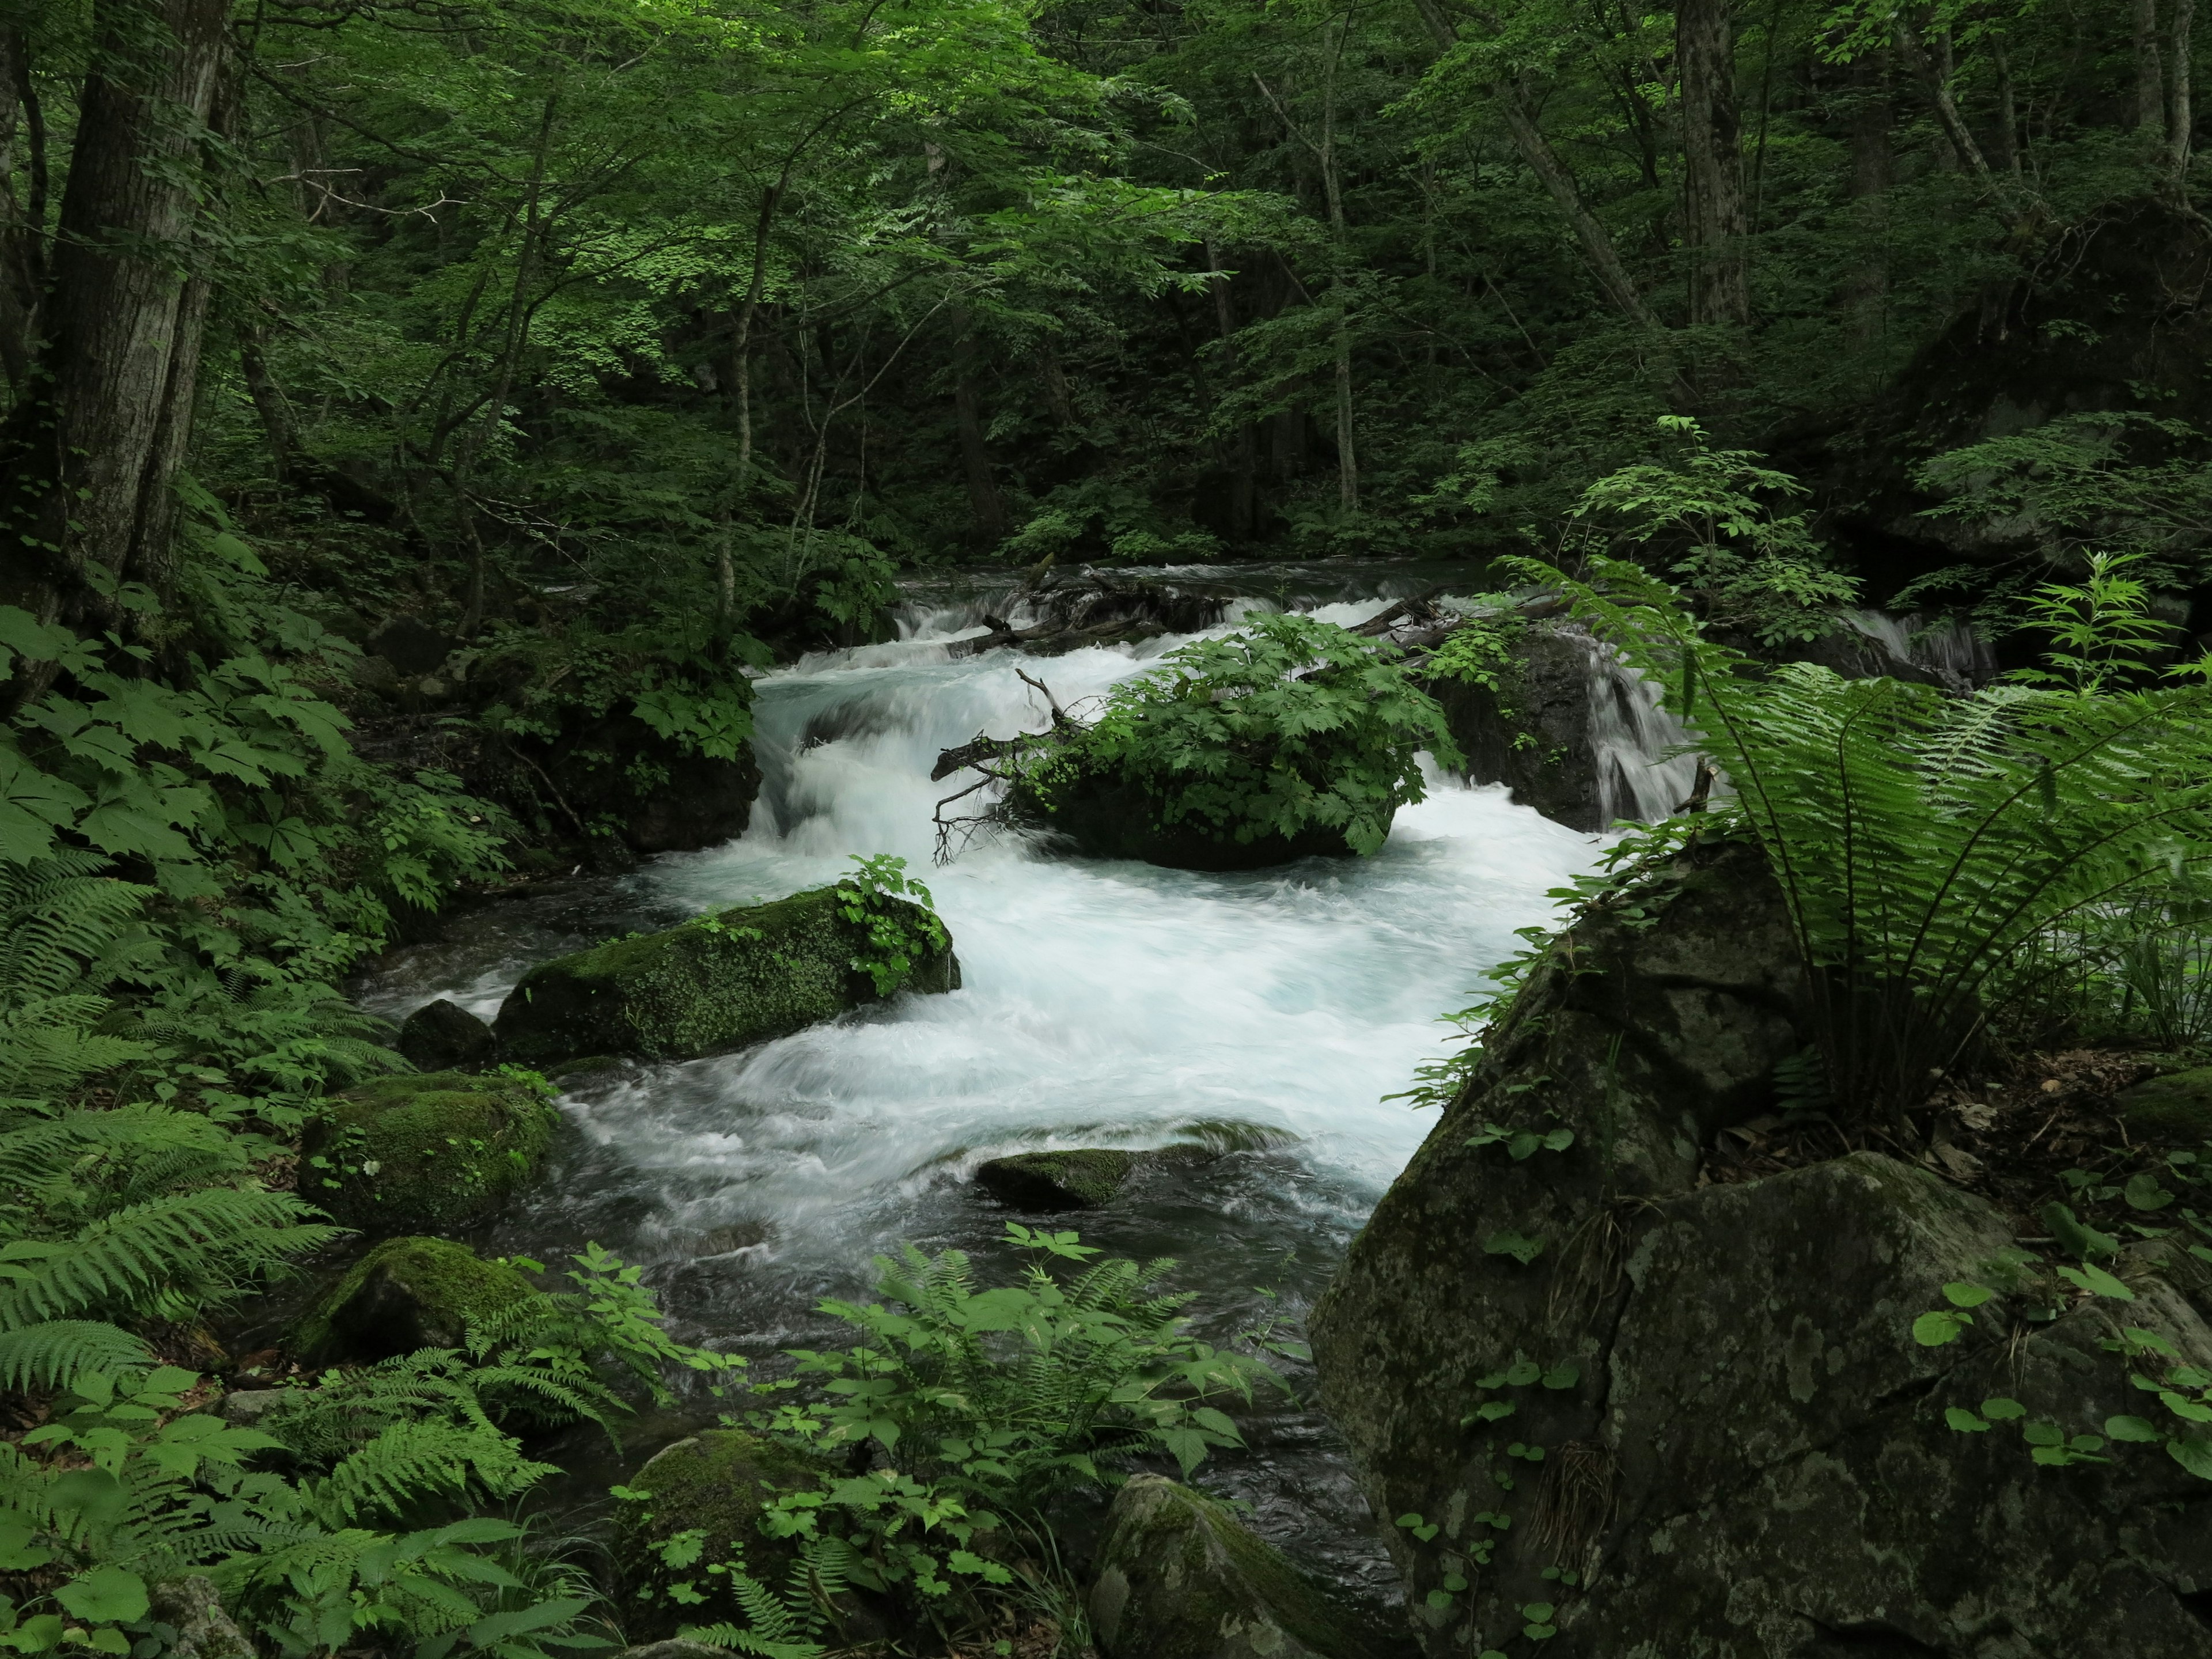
x,y
22,250
280,427
91,456
2150,78
1244,487
2178,116
1871,117
1540,158
1704,54
989,507
1936,79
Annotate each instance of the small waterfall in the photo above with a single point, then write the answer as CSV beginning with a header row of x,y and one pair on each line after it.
x,y
1634,743
1942,644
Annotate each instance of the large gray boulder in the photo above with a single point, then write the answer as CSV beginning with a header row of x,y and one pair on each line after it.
x,y
1180,1578
1687,1421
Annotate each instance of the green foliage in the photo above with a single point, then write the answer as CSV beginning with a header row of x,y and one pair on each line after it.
x,y
1705,514
1478,652
1289,726
1925,844
899,914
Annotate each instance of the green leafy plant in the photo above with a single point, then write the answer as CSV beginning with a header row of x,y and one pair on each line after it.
x,y
899,914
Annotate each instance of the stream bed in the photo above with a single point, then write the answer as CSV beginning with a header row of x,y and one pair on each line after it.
x,y
1104,1004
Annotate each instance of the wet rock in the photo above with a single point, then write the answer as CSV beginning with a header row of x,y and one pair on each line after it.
x,y
665,798
405,1294
444,1036
714,1483
411,646
1179,1579
1722,1380
674,1648
719,983
2176,1108
1087,1178
434,1150
1102,816
246,1407
1083,1180
1531,731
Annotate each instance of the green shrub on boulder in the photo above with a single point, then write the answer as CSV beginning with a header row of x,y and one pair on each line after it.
x,y
406,1294
724,982
714,1484
428,1152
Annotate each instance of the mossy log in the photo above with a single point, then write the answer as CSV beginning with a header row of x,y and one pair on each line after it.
x,y
722,982
427,1152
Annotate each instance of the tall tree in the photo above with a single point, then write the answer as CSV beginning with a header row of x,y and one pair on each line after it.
x,y
1704,56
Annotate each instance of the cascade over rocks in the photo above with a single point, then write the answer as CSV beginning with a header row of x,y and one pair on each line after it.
x,y
719,983
1744,1450
1533,731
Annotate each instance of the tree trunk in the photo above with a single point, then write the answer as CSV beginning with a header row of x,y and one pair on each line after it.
x,y
1705,53
2150,79
1540,158
279,425
1871,117
989,507
22,250
91,458
2177,113
1935,77
1244,486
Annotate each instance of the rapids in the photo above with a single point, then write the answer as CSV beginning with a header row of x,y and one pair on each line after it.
x,y
1104,1004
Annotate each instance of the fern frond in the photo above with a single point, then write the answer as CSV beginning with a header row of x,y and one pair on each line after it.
x,y
44,1356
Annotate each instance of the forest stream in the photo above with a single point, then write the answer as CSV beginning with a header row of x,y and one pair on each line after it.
x,y
1104,1003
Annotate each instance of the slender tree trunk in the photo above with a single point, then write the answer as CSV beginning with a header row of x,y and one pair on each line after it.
x,y
2178,116
1935,78
1540,158
89,458
983,498
2007,133
2150,78
280,427
1704,53
22,256
1871,117
1243,496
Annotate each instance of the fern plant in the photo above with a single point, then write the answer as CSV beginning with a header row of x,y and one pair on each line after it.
x,y
1925,843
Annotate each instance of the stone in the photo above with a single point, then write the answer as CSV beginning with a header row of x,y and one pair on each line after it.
x,y
719,983
427,1152
663,796
716,1483
1108,818
405,1294
1532,731
246,1407
444,1036
410,645
2175,1108
1178,1577
1083,1180
1086,1178
198,1627
674,1648
1744,1451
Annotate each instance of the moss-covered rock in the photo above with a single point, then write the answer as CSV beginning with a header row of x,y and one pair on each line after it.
x,y
427,1152
1179,1579
721,982
405,1294
2176,1108
444,1036
1101,815
1082,1180
714,1483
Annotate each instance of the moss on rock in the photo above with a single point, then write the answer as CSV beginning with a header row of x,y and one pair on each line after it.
x,y
722,982
716,1483
2176,1108
1081,1180
1179,1579
405,1294
433,1150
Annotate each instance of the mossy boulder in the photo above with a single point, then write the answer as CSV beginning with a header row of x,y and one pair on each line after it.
x,y
425,1152
444,1036
1082,1180
721,982
716,1483
405,1294
1180,1578
2176,1108
1102,816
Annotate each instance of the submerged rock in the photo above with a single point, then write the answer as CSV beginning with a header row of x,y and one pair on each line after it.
x,y
1087,1178
440,1150
1180,1578
1705,1403
444,1036
719,983
717,1484
405,1294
